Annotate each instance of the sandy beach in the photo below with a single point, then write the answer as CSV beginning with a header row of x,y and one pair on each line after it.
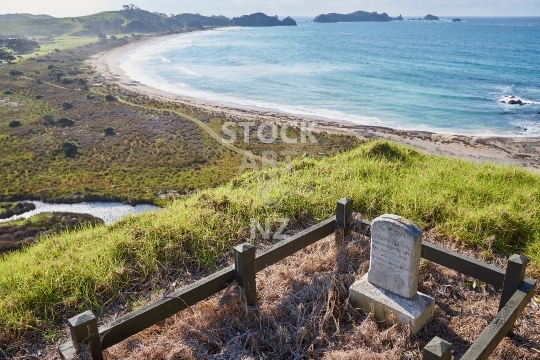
x,y
503,150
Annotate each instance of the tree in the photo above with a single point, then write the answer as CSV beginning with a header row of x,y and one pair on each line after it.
x,y
4,55
21,46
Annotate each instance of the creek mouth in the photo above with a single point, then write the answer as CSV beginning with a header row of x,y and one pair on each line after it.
x,y
109,212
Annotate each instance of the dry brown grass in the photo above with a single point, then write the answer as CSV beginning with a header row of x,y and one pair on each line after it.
x,y
304,313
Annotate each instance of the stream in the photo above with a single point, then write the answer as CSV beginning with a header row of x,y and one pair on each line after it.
x,y
109,212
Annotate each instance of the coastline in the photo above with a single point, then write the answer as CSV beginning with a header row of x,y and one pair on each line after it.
x,y
521,151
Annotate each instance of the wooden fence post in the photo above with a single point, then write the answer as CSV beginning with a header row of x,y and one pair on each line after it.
x,y
244,265
84,331
344,209
437,349
515,273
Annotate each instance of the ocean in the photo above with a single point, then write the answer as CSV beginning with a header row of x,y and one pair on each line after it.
x,y
439,76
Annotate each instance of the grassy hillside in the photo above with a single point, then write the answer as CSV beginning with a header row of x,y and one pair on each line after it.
x,y
106,22
40,27
488,206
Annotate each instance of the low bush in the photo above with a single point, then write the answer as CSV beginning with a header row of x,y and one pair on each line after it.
x,y
66,105
70,148
48,118
67,80
15,72
8,92
38,96
109,131
64,122
109,97
14,123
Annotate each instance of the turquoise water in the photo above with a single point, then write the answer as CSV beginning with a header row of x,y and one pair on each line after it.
x,y
439,76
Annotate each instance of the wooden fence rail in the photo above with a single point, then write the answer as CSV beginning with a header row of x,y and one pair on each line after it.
x,y
516,292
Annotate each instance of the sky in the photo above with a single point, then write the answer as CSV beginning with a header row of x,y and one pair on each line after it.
x,y
230,8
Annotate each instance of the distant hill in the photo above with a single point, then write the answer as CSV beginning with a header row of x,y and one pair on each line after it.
x,y
127,21
260,19
203,20
10,17
357,16
431,17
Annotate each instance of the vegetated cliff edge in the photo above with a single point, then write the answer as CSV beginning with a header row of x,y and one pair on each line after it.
x,y
354,17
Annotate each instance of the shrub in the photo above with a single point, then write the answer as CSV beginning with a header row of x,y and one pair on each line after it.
x,y
38,96
113,37
70,148
109,97
37,81
48,118
14,123
67,105
67,80
109,131
90,96
8,92
15,72
64,122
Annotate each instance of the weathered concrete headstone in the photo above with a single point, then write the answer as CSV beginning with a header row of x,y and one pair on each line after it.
x,y
390,288
396,244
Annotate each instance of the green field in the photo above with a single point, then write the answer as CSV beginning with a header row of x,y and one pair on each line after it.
x,y
487,206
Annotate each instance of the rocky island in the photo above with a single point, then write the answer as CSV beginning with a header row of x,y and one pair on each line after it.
x,y
431,17
260,19
357,16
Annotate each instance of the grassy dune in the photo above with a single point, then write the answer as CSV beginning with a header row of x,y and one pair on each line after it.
x,y
486,206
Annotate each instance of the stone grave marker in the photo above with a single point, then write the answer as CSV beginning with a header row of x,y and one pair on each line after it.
x,y
390,288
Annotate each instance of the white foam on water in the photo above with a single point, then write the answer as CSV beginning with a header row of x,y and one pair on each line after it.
x,y
528,127
507,98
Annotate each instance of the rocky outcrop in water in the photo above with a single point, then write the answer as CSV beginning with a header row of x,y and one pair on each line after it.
x,y
358,16
512,100
431,17
456,20
260,19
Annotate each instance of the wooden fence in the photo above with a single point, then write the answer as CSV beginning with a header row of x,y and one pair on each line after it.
x,y
516,292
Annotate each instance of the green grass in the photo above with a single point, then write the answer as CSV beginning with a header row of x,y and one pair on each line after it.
x,y
40,27
487,206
